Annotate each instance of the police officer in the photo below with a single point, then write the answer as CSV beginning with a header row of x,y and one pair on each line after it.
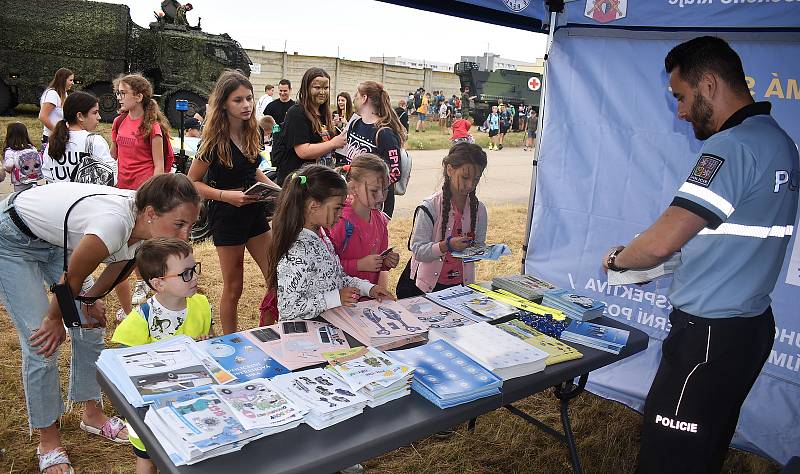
x,y
731,220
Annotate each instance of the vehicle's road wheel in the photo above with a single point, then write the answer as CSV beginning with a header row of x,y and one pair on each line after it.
x,y
202,228
196,102
104,91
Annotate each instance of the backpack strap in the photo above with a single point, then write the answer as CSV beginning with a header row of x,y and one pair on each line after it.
x,y
115,126
145,309
349,228
414,220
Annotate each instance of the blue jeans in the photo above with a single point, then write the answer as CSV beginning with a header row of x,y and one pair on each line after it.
x,y
26,266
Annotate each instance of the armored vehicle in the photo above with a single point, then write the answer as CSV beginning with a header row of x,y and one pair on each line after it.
x,y
490,88
99,41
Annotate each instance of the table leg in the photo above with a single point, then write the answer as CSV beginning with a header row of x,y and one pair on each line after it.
x,y
471,425
565,392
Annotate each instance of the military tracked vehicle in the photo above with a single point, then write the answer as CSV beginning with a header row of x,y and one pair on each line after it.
x,y
490,88
99,41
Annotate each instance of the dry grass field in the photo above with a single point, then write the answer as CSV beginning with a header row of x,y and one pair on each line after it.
x,y
607,432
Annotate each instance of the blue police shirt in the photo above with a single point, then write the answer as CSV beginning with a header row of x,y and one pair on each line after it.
x,y
745,186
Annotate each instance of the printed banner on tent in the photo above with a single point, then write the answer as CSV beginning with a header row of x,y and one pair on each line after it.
x,y
686,13
613,156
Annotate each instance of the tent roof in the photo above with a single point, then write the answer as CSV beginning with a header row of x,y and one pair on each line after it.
x,y
488,11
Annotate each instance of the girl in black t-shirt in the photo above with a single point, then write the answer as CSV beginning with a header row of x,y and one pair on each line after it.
x,y
377,130
308,127
229,154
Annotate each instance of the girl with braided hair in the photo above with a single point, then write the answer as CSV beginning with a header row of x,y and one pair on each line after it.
x,y
450,220
301,260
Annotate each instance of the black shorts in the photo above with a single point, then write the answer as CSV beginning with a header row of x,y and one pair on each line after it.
x,y
503,128
231,225
493,133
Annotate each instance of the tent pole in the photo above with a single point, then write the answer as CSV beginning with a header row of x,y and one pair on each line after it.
x,y
540,135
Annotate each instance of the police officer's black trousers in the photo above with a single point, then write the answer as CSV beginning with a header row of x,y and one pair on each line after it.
x,y
707,368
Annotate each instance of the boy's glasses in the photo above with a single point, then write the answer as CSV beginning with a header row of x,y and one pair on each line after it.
x,y
187,274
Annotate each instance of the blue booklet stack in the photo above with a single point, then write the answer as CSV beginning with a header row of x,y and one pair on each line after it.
x,y
241,357
596,336
446,376
574,305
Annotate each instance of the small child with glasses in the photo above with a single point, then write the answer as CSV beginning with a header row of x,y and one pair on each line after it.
x,y
167,265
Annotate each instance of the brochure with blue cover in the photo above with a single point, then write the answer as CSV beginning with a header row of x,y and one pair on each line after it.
x,y
596,335
447,375
574,305
241,357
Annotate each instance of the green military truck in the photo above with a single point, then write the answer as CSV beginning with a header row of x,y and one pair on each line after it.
x,y
99,41
490,88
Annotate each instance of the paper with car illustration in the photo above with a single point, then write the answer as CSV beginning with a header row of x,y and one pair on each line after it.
x,y
143,373
378,324
361,366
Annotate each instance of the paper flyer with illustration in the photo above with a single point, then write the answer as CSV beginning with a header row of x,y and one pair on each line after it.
x,y
241,357
257,405
298,344
363,365
432,314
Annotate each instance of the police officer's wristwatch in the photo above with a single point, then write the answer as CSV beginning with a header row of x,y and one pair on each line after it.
x,y
612,257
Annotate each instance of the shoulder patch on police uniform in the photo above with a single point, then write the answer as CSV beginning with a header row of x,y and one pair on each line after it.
x,y
706,168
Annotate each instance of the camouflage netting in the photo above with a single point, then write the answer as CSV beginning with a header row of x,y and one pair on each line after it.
x,y
99,42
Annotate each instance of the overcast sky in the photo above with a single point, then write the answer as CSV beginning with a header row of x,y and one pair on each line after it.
x,y
359,28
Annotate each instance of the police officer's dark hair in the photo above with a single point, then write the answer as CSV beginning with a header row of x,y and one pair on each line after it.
x,y
707,54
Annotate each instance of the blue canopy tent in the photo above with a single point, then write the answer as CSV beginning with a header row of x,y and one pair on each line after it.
x,y
605,84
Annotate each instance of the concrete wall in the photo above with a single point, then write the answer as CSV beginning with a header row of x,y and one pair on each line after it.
x,y
346,74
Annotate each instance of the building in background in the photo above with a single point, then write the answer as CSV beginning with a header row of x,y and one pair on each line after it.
x,y
413,63
491,62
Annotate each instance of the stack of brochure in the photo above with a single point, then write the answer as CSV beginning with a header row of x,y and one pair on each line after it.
x,y
597,336
525,286
471,303
199,424
372,373
383,325
297,344
143,373
504,354
557,351
240,356
328,399
446,376
432,314
574,305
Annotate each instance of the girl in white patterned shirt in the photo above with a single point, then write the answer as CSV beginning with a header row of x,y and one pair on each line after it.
x,y
301,261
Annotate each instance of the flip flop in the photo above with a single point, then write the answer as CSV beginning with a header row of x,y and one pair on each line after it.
x,y
54,457
110,430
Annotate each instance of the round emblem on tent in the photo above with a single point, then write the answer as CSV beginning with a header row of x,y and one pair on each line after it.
x,y
517,5
534,83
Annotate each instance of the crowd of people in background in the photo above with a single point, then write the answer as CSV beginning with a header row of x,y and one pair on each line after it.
x,y
338,159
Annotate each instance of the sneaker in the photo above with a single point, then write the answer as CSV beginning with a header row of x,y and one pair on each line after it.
x,y
500,146
355,469
120,314
139,292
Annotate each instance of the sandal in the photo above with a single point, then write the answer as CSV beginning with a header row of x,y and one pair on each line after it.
x,y
110,430
52,458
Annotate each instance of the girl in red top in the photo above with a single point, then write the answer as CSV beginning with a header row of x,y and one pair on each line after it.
x,y
138,135
361,236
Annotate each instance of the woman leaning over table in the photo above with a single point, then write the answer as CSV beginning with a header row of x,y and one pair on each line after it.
x,y
102,229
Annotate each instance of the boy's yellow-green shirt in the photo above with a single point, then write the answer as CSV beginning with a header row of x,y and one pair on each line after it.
x,y
134,329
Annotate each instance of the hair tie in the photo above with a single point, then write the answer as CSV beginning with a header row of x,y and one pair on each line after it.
x,y
346,168
303,180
